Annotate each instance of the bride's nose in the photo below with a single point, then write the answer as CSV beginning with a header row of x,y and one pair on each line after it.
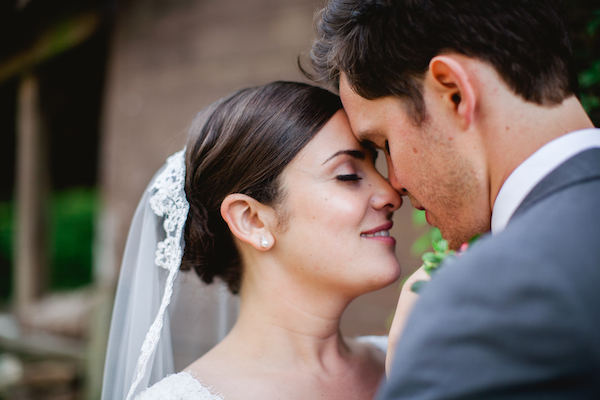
x,y
385,197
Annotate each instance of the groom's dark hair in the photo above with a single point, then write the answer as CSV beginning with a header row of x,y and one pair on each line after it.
x,y
384,46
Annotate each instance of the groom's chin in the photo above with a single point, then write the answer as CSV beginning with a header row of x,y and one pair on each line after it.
x,y
457,237
454,242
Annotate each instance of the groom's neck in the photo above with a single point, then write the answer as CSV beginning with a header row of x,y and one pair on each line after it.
x,y
516,129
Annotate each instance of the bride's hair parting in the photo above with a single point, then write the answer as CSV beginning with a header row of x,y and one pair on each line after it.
x,y
241,144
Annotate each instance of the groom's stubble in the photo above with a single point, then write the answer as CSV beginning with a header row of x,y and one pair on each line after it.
x,y
453,189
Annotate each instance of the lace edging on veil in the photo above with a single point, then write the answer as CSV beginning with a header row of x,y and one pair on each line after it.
x,y
168,201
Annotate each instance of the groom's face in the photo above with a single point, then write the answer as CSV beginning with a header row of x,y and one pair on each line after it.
x,y
425,163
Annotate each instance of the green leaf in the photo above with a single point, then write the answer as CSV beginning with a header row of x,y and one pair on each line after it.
x,y
594,23
440,246
431,258
421,245
428,266
589,102
418,286
592,26
590,76
435,235
430,269
474,238
418,217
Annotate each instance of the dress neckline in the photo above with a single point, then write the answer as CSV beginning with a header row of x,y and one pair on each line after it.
x,y
207,391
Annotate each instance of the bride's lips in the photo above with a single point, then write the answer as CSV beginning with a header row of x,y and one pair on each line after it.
x,y
381,233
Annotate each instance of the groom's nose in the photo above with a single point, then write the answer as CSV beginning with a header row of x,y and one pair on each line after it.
x,y
393,179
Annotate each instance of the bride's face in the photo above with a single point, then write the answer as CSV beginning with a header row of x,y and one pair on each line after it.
x,y
339,214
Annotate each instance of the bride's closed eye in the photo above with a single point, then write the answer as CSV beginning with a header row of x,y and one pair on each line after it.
x,y
348,177
349,166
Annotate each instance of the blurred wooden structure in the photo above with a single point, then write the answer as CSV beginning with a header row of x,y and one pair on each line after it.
x,y
50,36
48,331
32,186
166,61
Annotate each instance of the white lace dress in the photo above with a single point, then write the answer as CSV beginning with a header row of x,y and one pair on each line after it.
x,y
183,386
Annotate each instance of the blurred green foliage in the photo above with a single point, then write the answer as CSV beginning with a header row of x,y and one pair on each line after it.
x,y
424,242
71,231
583,19
72,235
6,234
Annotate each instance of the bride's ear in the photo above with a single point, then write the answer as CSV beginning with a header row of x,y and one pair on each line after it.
x,y
248,220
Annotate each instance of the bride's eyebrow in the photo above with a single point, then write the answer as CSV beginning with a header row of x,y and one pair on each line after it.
x,y
358,154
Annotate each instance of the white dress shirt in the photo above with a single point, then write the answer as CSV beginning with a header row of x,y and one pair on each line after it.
x,y
535,168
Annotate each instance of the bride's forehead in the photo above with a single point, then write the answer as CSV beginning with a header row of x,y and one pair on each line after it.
x,y
336,135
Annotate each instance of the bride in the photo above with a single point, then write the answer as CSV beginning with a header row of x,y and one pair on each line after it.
x,y
274,196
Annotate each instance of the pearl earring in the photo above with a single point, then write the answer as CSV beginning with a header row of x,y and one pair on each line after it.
x,y
264,242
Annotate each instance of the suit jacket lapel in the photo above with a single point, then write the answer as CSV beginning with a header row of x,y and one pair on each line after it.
x,y
583,167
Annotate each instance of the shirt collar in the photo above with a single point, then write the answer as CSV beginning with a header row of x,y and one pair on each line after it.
x,y
527,175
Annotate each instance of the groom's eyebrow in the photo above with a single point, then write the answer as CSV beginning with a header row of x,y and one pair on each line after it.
x,y
366,139
358,154
364,134
368,144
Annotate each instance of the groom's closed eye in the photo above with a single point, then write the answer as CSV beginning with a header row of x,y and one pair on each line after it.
x,y
371,148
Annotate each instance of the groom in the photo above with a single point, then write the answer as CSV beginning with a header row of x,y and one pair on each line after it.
x,y
474,104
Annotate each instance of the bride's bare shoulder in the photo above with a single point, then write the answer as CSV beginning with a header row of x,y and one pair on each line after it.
x,y
216,370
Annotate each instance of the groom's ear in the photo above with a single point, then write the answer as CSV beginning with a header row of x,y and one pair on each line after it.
x,y
450,80
248,220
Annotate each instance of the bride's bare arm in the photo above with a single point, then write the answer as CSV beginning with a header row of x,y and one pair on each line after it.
x,y
405,305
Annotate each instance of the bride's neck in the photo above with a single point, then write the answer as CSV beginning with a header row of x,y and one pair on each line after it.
x,y
289,321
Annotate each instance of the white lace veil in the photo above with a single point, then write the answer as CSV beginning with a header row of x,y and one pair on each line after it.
x,y
162,319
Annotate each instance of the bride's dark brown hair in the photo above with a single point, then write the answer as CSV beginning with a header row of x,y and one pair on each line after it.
x,y
241,144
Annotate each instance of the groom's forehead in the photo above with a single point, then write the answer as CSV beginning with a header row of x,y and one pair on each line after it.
x,y
369,117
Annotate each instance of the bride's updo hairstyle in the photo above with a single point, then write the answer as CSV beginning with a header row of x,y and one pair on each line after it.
x,y
242,144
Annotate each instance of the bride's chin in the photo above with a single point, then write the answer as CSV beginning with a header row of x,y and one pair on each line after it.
x,y
384,279
390,281
393,276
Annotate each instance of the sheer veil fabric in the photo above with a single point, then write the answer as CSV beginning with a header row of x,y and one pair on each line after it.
x,y
144,345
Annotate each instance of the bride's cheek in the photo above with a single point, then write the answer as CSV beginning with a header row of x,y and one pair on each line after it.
x,y
346,202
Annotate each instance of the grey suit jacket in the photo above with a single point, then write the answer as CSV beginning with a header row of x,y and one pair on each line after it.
x,y
518,315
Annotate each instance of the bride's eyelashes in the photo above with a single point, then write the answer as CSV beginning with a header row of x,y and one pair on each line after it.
x,y
348,177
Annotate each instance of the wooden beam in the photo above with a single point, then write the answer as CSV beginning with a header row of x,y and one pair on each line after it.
x,y
30,267
58,39
38,344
